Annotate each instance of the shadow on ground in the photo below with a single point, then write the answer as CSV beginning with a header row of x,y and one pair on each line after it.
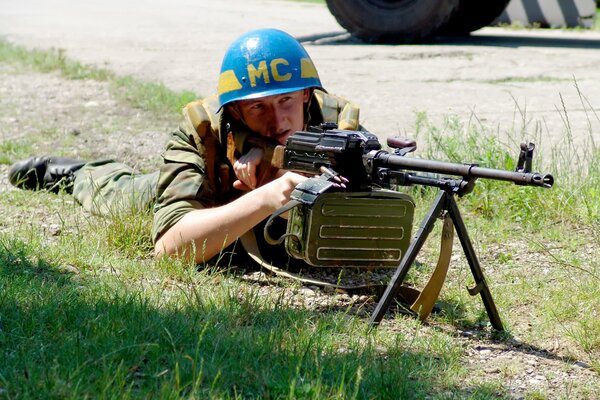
x,y
62,336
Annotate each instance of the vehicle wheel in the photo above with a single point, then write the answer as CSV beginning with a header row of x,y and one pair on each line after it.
x,y
392,21
472,15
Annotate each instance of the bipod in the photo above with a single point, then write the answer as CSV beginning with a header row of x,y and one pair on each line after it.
x,y
444,204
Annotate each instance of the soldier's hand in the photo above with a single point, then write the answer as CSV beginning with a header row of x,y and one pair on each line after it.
x,y
245,169
282,187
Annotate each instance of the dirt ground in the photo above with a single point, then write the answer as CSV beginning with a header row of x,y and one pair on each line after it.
x,y
81,119
517,82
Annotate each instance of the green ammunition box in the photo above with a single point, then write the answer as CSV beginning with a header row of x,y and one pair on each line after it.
x,y
351,229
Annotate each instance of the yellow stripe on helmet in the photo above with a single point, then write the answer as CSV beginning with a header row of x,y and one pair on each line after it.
x,y
228,82
307,69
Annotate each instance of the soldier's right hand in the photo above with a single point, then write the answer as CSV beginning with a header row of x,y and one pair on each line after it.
x,y
282,187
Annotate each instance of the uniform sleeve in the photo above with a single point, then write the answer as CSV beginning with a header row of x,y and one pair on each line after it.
x,y
182,183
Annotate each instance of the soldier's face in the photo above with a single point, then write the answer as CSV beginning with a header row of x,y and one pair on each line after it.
x,y
276,116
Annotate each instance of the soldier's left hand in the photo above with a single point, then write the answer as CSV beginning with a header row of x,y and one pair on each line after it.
x,y
245,169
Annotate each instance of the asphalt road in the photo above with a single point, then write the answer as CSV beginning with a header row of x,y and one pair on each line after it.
x,y
511,81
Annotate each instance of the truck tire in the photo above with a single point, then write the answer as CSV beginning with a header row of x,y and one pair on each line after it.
x,y
392,21
472,15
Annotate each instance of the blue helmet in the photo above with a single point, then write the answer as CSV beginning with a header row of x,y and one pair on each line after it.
x,y
265,62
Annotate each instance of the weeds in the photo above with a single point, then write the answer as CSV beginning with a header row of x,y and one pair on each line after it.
x,y
559,223
11,150
146,95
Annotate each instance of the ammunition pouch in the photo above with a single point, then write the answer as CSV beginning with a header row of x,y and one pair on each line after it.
x,y
345,229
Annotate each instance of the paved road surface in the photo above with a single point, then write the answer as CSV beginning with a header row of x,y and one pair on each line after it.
x,y
498,77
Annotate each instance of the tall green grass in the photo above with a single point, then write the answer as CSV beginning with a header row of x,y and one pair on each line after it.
x,y
558,226
572,199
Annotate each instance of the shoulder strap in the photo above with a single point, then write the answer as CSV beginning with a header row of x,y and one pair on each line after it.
x,y
336,109
205,121
202,117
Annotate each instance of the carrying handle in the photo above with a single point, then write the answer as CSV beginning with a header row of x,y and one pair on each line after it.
x,y
285,208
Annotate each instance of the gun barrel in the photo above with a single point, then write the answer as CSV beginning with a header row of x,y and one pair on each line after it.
x,y
465,170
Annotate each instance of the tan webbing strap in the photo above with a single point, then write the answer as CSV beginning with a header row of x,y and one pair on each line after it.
x,y
349,117
429,295
195,113
231,148
251,246
406,294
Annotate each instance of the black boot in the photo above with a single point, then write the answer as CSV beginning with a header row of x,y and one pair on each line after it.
x,y
46,172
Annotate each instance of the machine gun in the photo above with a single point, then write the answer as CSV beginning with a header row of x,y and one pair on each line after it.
x,y
358,156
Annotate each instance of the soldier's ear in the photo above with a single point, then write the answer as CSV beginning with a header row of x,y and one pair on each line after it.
x,y
306,95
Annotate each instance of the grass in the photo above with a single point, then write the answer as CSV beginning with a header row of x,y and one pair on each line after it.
x,y
150,96
558,226
203,335
87,312
10,151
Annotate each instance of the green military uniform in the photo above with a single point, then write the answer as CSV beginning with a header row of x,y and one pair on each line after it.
x,y
196,172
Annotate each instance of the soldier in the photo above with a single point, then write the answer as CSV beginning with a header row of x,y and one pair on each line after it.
x,y
209,191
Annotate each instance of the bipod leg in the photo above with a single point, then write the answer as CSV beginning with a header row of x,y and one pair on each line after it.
x,y
393,287
481,286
